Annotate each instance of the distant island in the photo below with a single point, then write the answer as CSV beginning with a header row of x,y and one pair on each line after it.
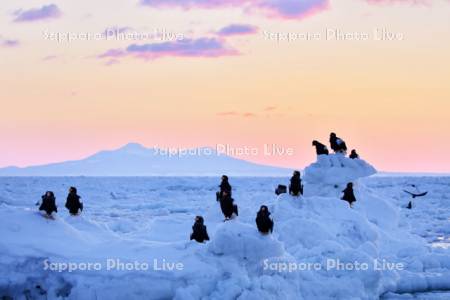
x,y
136,160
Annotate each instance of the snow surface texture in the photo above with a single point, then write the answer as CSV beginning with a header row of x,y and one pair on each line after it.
x,y
331,173
147,219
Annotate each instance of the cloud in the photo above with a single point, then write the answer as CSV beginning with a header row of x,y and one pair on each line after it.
x,y
117,30
8,43
398,1
201,47
267,111
287,9
113,53
49,57
227,113
270,108
112,62
204,47
236,114
237,29
284,9
187,4
45,12
292,9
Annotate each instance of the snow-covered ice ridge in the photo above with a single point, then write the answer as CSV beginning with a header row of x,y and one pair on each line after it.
x,y
147,221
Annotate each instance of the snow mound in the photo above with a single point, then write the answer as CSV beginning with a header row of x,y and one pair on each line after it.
x,y
330,174
42,233
322,234
244,242
377,209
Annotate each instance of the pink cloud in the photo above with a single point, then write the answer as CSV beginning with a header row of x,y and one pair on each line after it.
x,y
117,29
270,108
399,1
285,9
187,4
45,12
237,29
201,47
227,113
113,53
292,9
112,62
288,9
236,114
8,43
49,57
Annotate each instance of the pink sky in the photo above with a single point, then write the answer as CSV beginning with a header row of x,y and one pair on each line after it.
x,y
225,81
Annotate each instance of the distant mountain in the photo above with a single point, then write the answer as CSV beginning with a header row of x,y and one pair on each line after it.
x,y
136,160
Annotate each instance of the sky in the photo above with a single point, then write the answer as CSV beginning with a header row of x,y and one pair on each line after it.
x,y
79,77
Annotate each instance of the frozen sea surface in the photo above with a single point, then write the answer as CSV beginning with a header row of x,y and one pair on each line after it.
x,y
134,205
430,215
137,218
143,206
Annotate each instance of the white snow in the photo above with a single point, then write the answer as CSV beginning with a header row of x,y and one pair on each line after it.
x,y
331,173
314,253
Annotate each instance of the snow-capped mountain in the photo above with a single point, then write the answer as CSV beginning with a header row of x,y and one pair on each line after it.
x,y
136,160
